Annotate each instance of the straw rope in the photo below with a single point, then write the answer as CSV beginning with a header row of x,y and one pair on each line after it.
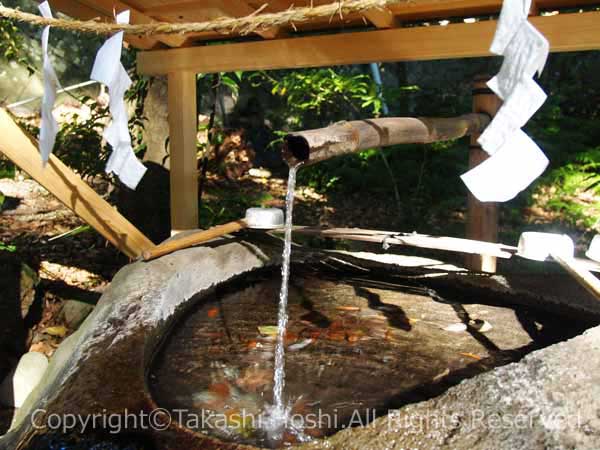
x,y
224,25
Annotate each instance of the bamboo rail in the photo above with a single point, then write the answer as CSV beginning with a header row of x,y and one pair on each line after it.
x,y
412,240
312,146
193,239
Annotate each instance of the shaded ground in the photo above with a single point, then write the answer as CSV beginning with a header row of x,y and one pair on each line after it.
x,y
41,273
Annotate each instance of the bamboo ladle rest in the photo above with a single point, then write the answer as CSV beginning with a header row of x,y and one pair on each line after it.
x,y
256,218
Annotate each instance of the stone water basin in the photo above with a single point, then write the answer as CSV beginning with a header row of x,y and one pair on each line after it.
x,y
182,332
356,348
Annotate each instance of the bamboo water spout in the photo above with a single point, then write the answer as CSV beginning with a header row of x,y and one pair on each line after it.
x,y
312,146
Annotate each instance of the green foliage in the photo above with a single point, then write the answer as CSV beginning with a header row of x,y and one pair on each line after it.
x,y
7,247
321,94
137,95
223,205
11,45
7,168
567,130
232,81
79,142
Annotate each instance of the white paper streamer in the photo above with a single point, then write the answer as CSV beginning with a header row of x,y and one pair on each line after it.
x,y
525,55
109,71
48,127
513,14
522,104
516,161
510,170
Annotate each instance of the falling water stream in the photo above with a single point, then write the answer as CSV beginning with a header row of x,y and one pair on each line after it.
x,y
278,415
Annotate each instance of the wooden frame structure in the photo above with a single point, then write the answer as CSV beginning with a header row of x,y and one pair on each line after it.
x,y
408,31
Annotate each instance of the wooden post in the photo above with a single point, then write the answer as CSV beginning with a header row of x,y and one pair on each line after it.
x,y
183,129
70,189
482,218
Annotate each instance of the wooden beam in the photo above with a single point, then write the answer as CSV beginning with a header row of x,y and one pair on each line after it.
x,y
205,11
566,32
107,6
70,189
382,18
240,8
436,9
84,12
183,129
482,218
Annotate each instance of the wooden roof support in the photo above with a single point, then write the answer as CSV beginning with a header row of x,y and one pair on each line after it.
x,y
240,8
436,9
183,129
84,12
70,189
566,32
382,18
482,217
107,6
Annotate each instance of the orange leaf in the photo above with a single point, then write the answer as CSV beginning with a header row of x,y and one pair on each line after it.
x,y
336,335
213,312
221,389
290,337
472,355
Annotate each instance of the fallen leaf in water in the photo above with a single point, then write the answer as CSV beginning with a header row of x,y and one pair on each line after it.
x,y
268,330
42,347
206,399
59,331
481,325
335,335
289,438
211,334
352,338
254,379
290,337
314,334
347,308
300,345
472,355
220,389
213,312
456,328
336,325
388,335
441,375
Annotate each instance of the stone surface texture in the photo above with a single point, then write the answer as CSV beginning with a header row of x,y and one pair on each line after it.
x,y
548,400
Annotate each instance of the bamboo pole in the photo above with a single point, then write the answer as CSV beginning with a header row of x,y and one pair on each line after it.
x,y
445,243
580,273
312,146
193,239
